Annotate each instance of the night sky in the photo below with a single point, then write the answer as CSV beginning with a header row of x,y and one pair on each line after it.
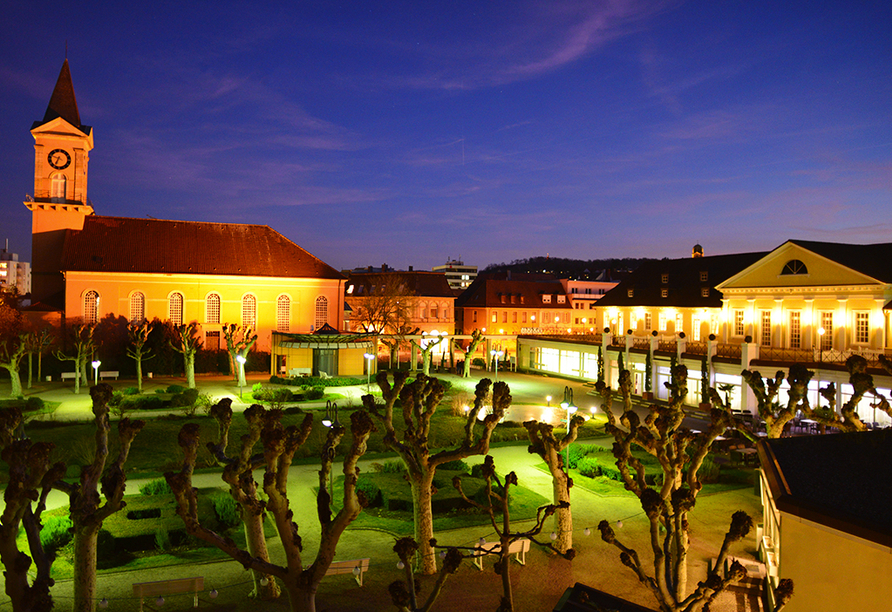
x,y
408,132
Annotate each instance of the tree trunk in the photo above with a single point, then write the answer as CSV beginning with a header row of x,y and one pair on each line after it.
x,y
189,358
85,568
424,520
13,369
256,544
241,375
563,518
302,600
30,369
39,366
139,375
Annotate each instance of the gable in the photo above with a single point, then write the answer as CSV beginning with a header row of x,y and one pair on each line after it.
x,y
794,265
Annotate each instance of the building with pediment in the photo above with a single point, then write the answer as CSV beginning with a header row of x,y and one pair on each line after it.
x,y
87,266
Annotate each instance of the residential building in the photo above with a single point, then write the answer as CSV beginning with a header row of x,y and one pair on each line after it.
x,y
826,522
457,274
410,300
584,296
14,273
88,267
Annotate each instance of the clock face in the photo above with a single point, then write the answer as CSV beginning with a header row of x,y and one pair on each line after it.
x,y
59,159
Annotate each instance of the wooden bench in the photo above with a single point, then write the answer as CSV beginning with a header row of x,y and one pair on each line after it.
x,y
68,375
160,588
518,548
294,372
349,567
109,374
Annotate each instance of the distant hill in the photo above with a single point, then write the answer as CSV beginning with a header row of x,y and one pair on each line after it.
x,y
577,269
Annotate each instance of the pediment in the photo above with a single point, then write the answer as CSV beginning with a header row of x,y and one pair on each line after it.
x,y
61,127
792,265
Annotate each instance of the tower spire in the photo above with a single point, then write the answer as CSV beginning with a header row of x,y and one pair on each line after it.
x,y
63,103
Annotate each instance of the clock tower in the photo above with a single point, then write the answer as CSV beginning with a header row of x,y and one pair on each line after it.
x,y
61,152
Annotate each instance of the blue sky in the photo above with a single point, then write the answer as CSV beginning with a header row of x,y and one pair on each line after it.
x,y
408,132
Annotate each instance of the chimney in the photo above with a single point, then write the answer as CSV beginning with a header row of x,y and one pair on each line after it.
x,y
384,267
411,268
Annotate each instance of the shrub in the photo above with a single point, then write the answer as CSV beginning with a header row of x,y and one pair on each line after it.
x,y
477,471
158,486
457,466
204,403
185,399
709,470
315,393
56,533
175,389
162,539
478,362
256,387
274,396
130,391
226,510
371,491
142,402
577,452
588,466
33,403
394,466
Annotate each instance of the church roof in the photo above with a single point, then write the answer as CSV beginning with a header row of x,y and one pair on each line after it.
x,y
120,244
63,103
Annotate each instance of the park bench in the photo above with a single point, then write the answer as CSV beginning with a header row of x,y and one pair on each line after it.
x,y
160,588
294,372
109,374
68,375
518,548
349,567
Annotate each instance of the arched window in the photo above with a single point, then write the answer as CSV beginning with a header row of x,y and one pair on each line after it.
x,y
249,311
283,313
175,308
91,307
58,186
794,266
212,308
137,307
321,311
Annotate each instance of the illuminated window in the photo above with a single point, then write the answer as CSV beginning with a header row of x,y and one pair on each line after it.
x,y
212,341
495,317
283,313
862,327
631,293
795,329
137,307
695,329
704,292
648,321
738,323
91,307
505,317
212,308
704,276
766,328
523,317
546,298
561,299
249,311
679,323
665,278
58,186
175,308
794,266
321,311
661,321
827,324
664,293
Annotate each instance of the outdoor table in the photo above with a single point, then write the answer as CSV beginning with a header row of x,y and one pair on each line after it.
x,y
810,424
743,455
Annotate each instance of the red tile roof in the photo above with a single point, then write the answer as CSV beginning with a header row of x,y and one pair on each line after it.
x,y
420,283
119,244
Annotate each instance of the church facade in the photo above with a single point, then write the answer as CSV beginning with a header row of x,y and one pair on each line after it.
x,y
87,266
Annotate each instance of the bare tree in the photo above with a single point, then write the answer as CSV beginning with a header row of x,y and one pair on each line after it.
x,y
11,353
431,342
36,343
280,443
420,401
497,503
770,410
188,344
544,443
31,477
404,593
238,474
137,351
386,307
82,339
239,340
476,338
86,506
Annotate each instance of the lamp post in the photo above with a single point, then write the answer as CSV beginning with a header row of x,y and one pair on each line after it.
x,y
241,361
570,407
368,371
331,411
496,355
96,365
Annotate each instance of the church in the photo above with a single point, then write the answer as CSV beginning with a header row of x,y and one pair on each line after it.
x,y
87,266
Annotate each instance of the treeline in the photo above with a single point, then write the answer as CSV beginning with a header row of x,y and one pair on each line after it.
x,y
579,269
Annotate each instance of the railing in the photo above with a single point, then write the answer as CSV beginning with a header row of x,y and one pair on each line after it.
x,y
731,351
641,343
618,341
667,347
696,348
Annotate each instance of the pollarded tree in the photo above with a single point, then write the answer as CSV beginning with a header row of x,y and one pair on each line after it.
x,y
497,497
11,353
680,453
188,343
279,445
31,477
138,351
86,506
427,350
476,338
544,443
410,440
81,339
770,409
239,340
238,474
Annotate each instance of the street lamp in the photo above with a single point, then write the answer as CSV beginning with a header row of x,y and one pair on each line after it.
x,y
496,355
96,365
368,371
570,407
241,361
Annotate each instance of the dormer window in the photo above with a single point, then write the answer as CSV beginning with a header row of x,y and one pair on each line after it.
x,y
704,276
562,299
704,292
631,293
664,293
665,278
349,289
546,298
794,266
